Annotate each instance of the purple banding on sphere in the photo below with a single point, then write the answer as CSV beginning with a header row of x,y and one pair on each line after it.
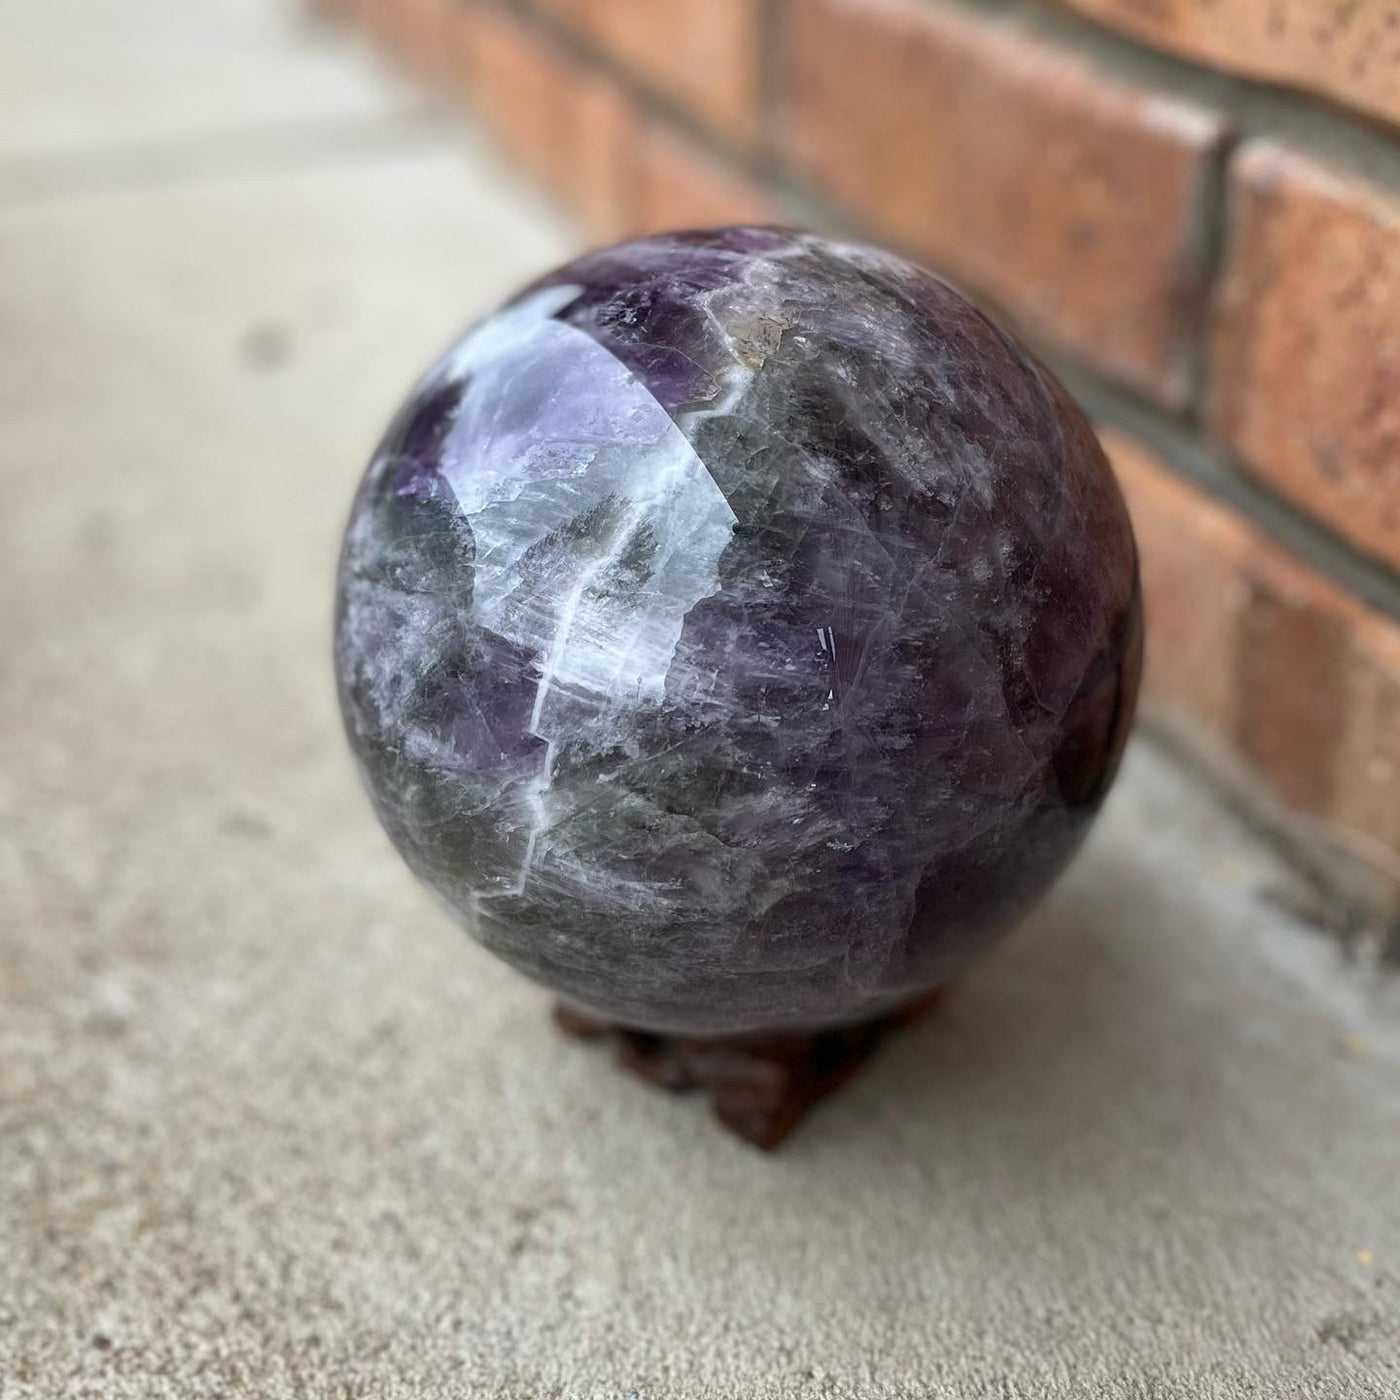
x,y
738,631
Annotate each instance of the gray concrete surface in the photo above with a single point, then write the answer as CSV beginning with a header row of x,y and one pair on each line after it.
x,y
94,81
270,1127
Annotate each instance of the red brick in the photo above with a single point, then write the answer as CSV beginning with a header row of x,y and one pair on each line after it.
x,y
455,68
601,185
1277,661
1292,667
519,81
413,31
679,184
558,120
1368,802
701,54
1193,557
380,17
1305,365
1069,198
1342,49
569,125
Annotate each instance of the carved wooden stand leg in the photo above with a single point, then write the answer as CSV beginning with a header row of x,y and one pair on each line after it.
x,y
759,1085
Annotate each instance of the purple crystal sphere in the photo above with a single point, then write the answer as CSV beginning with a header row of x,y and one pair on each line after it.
x,y
738,631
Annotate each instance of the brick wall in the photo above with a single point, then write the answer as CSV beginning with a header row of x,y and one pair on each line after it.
x,y
1191,207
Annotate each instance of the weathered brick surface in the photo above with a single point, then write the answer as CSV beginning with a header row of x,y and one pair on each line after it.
x,y
1071,199
559,121
679,184
421,34
521,86
1367,795
1305,368
1293,664
1346,50
452,71
597,180
1242,636
1193,559
701,54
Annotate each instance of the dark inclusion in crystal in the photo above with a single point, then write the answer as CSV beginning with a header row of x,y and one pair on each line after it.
x,y
738,631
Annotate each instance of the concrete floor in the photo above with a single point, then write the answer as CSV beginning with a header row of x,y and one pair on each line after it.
x,y
269,1126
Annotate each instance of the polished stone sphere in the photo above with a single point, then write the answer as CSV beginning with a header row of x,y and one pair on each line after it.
x,y
738,631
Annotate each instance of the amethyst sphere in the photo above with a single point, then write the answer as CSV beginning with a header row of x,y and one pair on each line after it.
x,y
738,631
